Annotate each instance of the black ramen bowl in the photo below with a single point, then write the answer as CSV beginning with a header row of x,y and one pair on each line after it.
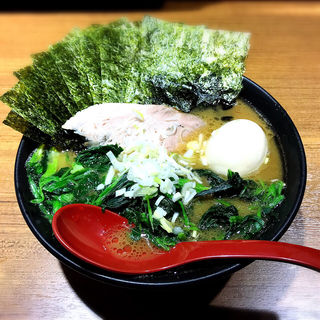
x,y
294,163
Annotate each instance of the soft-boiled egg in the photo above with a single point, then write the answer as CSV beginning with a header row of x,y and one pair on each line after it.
x,y
239,145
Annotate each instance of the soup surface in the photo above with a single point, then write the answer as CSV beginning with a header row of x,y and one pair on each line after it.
x,y
216,117
192,203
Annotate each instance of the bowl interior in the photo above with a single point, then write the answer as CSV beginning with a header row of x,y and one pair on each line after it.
x,y
294,161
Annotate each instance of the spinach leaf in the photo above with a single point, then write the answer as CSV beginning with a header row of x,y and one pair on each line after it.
x,y
198,186
227,220
85,187
245,227
267,197
148,228
109,192
218,216
159,238
264,198
96,157
219,186
36,164
133,215
162,240
169,206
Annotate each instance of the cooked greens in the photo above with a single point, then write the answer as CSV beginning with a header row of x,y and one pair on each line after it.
x,y
148,61
218,216
60,178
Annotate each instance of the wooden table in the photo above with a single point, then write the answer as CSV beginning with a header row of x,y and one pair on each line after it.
x,y
285,60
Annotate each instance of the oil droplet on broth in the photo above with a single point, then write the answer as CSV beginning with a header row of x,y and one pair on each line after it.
x,y
118,242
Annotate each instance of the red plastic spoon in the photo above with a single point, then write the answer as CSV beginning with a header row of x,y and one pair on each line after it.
x,y
100,238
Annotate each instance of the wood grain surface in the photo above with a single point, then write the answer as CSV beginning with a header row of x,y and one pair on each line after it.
x,y
285,60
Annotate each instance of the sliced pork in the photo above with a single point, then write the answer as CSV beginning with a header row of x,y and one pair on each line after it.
x,y
122,123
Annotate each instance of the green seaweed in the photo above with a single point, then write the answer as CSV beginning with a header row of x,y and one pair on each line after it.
x,y
45,64
90,52
149,61
62,139
68,59
120,71
191,65
19,99
19,124
42,93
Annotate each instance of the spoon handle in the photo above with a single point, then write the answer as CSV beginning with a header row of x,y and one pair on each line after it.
x,y
254,249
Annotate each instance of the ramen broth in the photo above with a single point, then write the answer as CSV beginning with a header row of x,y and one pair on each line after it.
x,y
214,118
269,171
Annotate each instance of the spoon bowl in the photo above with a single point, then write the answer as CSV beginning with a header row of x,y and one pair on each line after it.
x,y
101,238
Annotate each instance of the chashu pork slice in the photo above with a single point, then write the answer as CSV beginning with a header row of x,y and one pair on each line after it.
x,y
124,123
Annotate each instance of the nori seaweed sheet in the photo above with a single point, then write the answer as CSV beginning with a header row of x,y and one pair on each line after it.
x,y
68,59
45,64
120,71
42,93
90,52
18,123
63,139
19,100
189,66
148,61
